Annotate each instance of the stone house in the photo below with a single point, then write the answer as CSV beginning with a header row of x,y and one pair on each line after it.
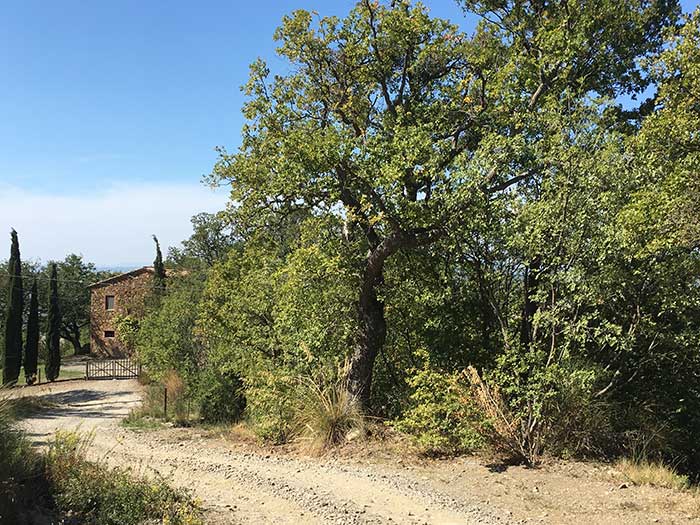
x,y
110,299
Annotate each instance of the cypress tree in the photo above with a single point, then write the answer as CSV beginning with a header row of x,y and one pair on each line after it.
x,y
159,271
31,351
53,335
12,359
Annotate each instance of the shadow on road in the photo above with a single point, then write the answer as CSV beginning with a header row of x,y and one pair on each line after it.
x,y
75,407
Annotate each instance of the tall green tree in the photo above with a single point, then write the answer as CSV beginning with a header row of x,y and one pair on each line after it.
x,y
74,275
53,334
404,127
158,271
31,351
12,361
212,238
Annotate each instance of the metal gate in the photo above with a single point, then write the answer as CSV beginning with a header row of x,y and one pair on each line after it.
x,y
112,369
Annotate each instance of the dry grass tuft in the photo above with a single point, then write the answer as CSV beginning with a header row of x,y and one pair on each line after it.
x,y
328,414
177,399
655,474
516,436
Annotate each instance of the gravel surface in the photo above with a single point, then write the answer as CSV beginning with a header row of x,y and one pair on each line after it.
x,y
247,487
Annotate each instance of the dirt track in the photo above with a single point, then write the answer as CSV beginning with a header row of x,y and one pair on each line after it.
x,y
244,484
244,487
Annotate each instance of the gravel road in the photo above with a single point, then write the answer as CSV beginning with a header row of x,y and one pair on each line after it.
x,y
249,487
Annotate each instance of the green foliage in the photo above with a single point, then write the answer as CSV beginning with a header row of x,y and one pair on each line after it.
x,y
271,404
74,275
482,198
64,485
12,352
128,328
440,416
212,238
164,338
165,341
53,333
221,396
96,494
271,315
18,464
32,346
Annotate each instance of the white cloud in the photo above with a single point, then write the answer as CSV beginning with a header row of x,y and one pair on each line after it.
x,y
109,228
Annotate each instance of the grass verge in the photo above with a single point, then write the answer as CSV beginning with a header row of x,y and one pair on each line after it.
x,y
63,374
91,492
62,486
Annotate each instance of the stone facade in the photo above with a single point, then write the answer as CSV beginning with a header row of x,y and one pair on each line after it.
x,y
112,298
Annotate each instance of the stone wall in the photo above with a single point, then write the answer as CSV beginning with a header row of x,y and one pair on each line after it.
x,y
130,292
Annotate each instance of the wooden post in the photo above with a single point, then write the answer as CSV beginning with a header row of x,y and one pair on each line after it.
x,y
165,404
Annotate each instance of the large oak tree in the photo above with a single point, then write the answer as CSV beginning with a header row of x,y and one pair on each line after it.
x,y
402,125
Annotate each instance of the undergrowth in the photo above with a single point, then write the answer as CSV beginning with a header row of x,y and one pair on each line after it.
x,y
92,493
62,486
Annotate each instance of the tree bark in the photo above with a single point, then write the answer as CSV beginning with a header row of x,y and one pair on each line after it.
x,y
371,337
73,336
370,310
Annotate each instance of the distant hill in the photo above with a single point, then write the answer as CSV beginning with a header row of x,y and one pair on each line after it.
x,y
118,268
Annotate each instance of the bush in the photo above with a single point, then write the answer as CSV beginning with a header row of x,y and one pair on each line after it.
x,y
518,435
441,419
61,486
270,395
534,408
221,396
20,468
164,339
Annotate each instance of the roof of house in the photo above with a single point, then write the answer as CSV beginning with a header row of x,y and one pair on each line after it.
x,y
116,278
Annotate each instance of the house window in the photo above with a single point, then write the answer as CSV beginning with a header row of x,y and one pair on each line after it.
x,y
109,333
109,302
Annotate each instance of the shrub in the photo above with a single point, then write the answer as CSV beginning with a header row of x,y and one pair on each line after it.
x,y
19,467
221,396
63,487
534,408
270,405
518,435
441,419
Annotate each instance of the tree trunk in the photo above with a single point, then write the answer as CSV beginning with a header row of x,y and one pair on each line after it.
x,y
370,310
371,337
72,334
77,347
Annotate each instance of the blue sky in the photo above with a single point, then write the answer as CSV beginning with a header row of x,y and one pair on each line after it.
x,y
125,97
